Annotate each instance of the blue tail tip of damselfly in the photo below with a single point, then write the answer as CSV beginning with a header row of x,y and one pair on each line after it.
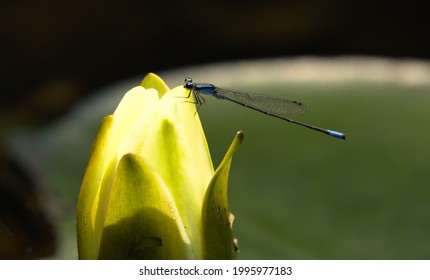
x,y
336,134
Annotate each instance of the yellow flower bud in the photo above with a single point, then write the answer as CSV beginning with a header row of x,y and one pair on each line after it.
x,y
150,190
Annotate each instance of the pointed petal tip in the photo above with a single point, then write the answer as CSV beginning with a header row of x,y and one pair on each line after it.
x,y
239,137
152,80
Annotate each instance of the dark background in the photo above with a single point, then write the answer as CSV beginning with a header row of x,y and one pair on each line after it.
x,y
57,51
54,53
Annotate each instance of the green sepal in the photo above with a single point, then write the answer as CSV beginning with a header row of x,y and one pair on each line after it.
x,y
217,221
142,221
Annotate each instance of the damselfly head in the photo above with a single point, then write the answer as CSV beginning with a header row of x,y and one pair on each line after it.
x,y
188,82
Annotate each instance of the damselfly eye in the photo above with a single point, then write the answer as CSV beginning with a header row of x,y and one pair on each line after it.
x,y
188,80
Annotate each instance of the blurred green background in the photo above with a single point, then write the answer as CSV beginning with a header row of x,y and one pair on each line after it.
x,y
296,193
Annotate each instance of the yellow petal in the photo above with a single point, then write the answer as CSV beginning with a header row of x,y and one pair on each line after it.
x,y
142,221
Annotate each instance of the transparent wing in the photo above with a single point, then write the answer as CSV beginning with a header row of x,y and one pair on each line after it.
x,y
267,104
